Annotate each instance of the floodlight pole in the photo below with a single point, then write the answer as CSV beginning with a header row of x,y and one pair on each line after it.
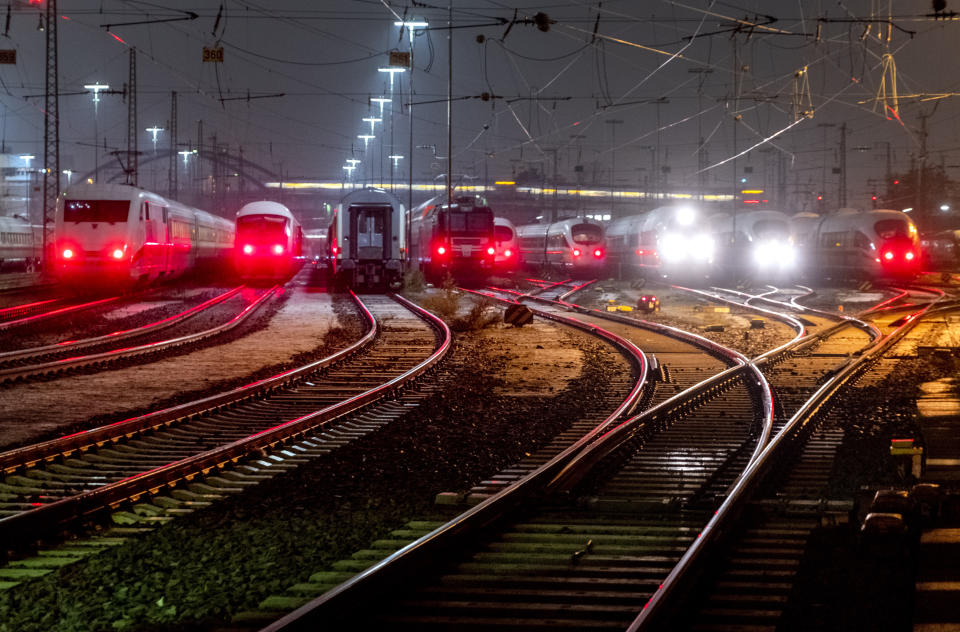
x,y
51,138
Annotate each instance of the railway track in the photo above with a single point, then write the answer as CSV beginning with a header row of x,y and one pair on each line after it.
x,y
56,485
102,351
608,525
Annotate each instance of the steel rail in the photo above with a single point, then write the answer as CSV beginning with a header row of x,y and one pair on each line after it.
x,y
411,556
655,610
70,345
27,456
49,518
10,324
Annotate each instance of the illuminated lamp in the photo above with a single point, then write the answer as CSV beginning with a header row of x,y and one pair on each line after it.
x,y
507,253
888,255
67,253
909,255
490,250
117,253
248,249
441,250
335,250
598,253
278,249
576,252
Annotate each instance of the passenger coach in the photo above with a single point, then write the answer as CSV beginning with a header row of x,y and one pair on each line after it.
x,y
366,240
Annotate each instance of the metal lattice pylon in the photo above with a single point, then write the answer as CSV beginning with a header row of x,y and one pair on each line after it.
x,y
887,92
132,131
51,137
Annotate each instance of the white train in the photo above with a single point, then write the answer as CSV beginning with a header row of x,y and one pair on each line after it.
x,y
669,241
269,241
366,240
109,234
854,245
576,246
755,244
21,245
506,259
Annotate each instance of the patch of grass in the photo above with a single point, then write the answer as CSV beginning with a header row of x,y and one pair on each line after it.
x,y
414,281
481,315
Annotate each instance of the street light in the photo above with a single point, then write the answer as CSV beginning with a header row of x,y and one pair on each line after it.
x,y
96,87
186,154
381,101
154,131
373,121
392,70
69,174
366,138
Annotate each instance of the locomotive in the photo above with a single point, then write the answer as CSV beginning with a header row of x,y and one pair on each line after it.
x,y
117,234
456,238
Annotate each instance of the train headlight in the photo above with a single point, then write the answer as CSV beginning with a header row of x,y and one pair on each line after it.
x,y
278,249
248,249
68,253
117,253
673,248
701,247
765,253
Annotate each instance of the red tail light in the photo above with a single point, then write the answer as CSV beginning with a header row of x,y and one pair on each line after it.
x,y
117,253
68,253
248,249
576,252
335,250
507,253
888,255
278,249
491,251
598,253
441,250
909,255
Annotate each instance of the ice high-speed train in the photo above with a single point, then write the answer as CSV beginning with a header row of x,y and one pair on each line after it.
x,y
755,244
269,242
109,234
669,241
506,258
576,246
853,245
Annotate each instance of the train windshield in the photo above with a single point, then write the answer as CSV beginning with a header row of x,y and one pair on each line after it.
x,y
262,229
890,228
96,210
586,233
771,229
476,220
502,233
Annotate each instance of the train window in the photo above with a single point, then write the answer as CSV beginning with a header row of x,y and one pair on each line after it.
x,y
471,221
834,240
861,241
890,228
586,233
111,211
502,233
165,216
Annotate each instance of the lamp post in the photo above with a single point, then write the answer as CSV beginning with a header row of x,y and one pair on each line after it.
x,y
411,27
96,88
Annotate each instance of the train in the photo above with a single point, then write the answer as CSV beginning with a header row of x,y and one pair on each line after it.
x,y
366,240
506,257
454,238
668,241
754,244
21,245
855,245
118,234
315,246
575,246
269,241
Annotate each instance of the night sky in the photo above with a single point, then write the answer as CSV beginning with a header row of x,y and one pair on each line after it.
x,y
622,88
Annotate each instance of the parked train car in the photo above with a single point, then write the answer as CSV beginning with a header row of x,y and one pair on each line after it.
x,y
455,238
366,240
755,244
21,245
941,250
853,245
315,246
269,241
506,258
576,246
668,241
110,234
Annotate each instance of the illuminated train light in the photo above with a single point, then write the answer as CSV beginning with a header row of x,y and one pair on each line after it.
x,y
576,252
278,249
888,255
441,250
117,253
598,253
248,249
67,253
909,255
507,253
491,251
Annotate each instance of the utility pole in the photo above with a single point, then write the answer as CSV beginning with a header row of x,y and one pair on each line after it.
x,y
843,165
701,153
450,106
613,162
823,176
51,137
172,166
